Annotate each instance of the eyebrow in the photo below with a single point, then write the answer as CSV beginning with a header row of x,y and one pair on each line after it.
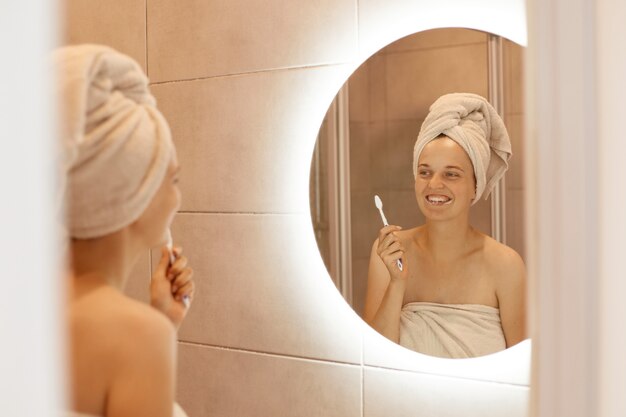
x,y
447,167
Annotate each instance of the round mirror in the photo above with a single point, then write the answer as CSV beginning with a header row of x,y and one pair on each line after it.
x,y
365,149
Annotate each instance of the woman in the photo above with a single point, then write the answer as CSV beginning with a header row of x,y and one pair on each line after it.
x,y
121,196
460,293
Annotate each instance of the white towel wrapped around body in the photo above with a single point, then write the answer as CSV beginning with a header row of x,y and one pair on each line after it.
x,y
473,123
117,145
451,330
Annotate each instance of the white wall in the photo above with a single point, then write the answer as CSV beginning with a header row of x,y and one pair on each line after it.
x,y
611,83
30,360
576,207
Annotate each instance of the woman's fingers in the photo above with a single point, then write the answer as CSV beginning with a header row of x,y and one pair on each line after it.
x,y
161,268
386,230
186,290
181,279
391,262
179,265
388,242
392,253
395,246
390,248
387,239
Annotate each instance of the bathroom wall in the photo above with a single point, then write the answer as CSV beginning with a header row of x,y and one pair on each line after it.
x,y
267,335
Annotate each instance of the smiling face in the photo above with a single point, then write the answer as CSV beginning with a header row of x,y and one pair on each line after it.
x,y
445,185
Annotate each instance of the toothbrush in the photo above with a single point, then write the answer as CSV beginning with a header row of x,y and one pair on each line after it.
x,y
379,206
170,245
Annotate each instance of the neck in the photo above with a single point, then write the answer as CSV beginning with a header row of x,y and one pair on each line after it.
x,y
446,239
105,260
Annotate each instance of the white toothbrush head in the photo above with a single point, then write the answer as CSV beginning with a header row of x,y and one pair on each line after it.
x,y
379,206
378,202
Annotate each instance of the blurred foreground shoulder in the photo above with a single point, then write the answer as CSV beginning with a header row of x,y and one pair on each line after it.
x,y
146,328
144,385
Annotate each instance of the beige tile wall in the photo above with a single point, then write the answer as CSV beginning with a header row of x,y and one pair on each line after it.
x,y
239,82
120,24
386,390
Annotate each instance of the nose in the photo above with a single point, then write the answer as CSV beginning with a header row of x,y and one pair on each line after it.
x,y
435,181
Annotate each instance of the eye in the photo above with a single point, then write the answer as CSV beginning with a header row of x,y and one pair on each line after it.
x,y
423,173
452,175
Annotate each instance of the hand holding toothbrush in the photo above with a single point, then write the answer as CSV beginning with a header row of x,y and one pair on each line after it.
x,y
172,286
390,248
186,299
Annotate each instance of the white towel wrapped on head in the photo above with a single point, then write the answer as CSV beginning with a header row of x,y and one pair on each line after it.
x,y
473,123
117,145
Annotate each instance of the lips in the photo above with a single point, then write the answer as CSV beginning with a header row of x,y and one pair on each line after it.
x,y
438,199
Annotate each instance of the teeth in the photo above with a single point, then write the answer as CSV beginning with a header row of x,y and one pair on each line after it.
x,y
437,199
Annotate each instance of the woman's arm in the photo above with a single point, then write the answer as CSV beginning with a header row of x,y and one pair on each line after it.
x,y
386,286
511,293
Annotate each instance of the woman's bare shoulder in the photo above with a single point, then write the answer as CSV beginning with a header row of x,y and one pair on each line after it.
x,y
503,260
109,313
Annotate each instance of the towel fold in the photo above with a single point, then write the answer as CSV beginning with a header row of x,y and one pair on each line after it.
x,y
451,330
117,145
473,123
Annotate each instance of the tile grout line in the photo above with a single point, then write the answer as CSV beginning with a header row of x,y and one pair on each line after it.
x,y
362,366
430,374
334,362
269,354
432,48
253,72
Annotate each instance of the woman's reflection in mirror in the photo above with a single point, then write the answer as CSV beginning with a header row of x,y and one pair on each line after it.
x,y
461,293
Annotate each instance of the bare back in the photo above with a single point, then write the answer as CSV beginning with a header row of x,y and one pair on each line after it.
x,y
122,356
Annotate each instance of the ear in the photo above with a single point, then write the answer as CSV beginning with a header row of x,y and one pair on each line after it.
x,y
475,187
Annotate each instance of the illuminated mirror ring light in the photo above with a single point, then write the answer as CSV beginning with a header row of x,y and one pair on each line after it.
x,y
511,366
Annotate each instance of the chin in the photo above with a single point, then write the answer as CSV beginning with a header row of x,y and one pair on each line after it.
x,y
159,242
